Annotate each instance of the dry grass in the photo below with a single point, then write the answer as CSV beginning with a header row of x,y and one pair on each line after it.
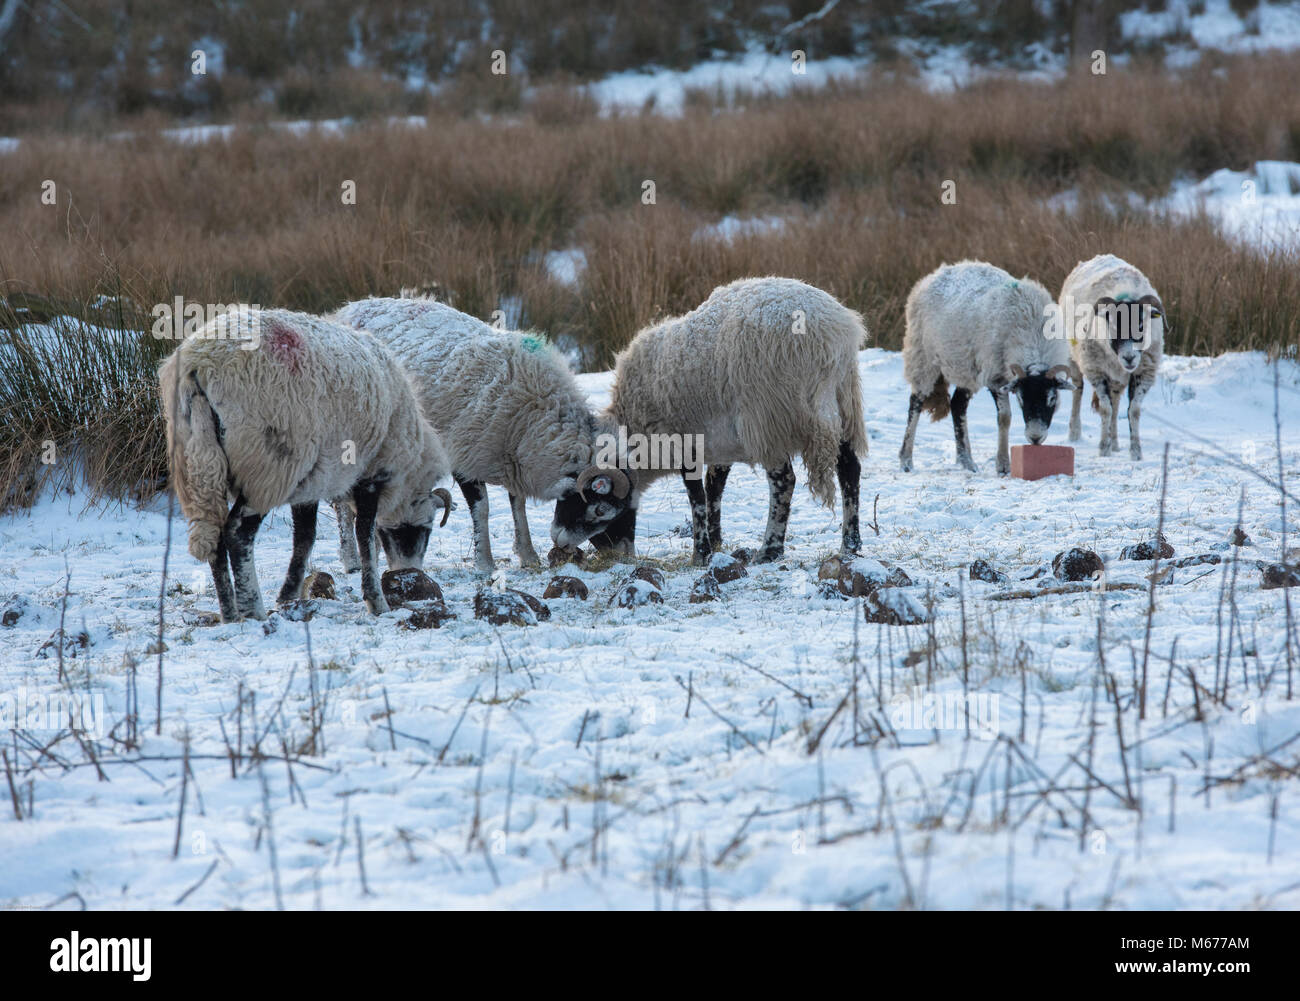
x,y
855,173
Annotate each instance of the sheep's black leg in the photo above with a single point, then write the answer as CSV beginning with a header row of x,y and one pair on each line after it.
x,y
240,531
366,497
699,519
1102,400
476,497
780,483
1137,389
220,567
849,470
714,484
1076,427
914,406
960,401
348,555
1002,401
619,535
304,537
523,538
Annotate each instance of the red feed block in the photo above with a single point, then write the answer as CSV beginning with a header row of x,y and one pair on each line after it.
x,y
1033,462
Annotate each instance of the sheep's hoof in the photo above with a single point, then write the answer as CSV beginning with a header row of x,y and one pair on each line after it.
x,y
377,605
905,465
529,560
1135,453
769,554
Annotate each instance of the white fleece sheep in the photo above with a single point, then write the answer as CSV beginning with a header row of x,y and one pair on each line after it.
x,y
1116,329
508,410
279,408
765,369
972,325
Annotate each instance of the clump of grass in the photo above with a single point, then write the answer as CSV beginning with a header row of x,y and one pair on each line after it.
x,y
78,388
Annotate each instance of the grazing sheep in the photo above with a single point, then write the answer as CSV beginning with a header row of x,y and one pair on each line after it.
x,y
1116,326
765,369
973,326
509,412
279,408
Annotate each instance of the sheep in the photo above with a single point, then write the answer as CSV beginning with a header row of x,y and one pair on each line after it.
x,y
510,413
972,325
282,408
1122,351
764,369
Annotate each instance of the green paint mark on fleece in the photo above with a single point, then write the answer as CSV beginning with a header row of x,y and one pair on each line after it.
x,y
534,342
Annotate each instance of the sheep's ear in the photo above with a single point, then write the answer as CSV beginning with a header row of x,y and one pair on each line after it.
x,y
1017,373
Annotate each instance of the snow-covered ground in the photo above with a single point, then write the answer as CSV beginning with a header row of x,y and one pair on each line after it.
x,y
1259,207
660,756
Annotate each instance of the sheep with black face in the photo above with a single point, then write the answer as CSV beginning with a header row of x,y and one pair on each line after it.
x,y
1115,328
273,407
763,370
974,326
506,406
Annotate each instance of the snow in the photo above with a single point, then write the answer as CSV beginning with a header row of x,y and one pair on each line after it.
x,y
730,228
1260,206
1216,25
755,72
566,266
682,733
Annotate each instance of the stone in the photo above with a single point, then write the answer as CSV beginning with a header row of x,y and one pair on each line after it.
x,y
1275,575
705,589
726,568
636,593
650,575
73,644
1157,548
429,614
1077,564
864,575
558,557
566,587
983,570
319,585
830,568
14,609
894,606
1209,559
510,607
403,586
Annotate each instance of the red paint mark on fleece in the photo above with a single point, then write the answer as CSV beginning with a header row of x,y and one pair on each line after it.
x,y
286,346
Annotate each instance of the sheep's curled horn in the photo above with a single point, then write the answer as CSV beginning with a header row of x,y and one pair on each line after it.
x,y
442,494
619,484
